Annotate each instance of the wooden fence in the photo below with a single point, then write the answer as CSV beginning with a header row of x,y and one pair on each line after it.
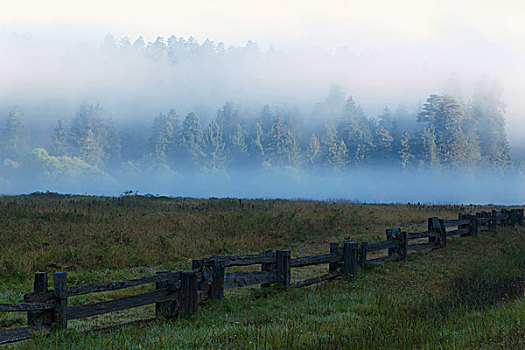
x,y
179,293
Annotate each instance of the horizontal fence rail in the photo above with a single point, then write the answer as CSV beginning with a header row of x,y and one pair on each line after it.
x,y
178,293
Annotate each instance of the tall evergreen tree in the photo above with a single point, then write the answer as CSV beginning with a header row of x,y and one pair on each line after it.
x,y
313,152
405,151
488,109
214,153
282,148
90,151
89,123
60,140
14,142
192,137
238,147
383,145
445,120
355,129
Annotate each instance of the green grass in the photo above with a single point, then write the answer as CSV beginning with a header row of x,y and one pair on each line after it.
x,y
468,295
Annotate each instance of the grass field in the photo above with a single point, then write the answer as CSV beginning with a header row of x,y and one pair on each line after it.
x,y
468,295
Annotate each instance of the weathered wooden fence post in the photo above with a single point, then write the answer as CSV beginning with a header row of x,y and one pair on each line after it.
x,y
437,225
514,217
362,254
40,286
494,220
473,226
60,300
283,267
520,216
443,233
189,292
334,248
161,309
267,267
350,258
217,279
404,245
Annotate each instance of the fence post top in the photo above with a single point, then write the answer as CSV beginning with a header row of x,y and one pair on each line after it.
x,y
60,273
189,273
350,242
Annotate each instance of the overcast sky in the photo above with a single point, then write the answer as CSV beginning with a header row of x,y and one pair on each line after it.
x,y
235,21
456,38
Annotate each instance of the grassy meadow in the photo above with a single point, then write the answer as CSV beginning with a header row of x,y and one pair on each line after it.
x,y
468,295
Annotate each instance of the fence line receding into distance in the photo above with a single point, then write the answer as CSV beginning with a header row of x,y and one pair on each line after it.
x,y
179,293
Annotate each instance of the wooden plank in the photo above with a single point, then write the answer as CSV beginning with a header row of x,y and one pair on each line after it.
x,y
109,286
458,232
377,246
420,246
425,234
318,279
104,307
243,279
242,260
11,335
316,259
19,307
383,259
450,223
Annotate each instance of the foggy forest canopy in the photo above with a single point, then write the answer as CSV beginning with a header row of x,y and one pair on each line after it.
x,y
449,149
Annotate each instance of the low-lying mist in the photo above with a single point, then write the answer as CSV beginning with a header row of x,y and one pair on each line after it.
x,y
373,185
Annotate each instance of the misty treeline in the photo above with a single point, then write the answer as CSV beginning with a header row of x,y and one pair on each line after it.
x,y
444,133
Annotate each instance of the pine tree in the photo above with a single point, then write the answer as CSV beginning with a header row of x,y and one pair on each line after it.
x,y
330,141
405,152
228,119
383,145
165,141
355,129
257,150
282,148
488,110
313,152
14,140
275,149
427,149
89,123
445,120
59,141
238,147
338,155
90,151
214,154
192,137
386,120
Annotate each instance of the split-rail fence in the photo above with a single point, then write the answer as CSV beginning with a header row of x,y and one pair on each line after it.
x,y
179,293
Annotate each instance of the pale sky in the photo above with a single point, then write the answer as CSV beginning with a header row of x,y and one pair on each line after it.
x,y
236,21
